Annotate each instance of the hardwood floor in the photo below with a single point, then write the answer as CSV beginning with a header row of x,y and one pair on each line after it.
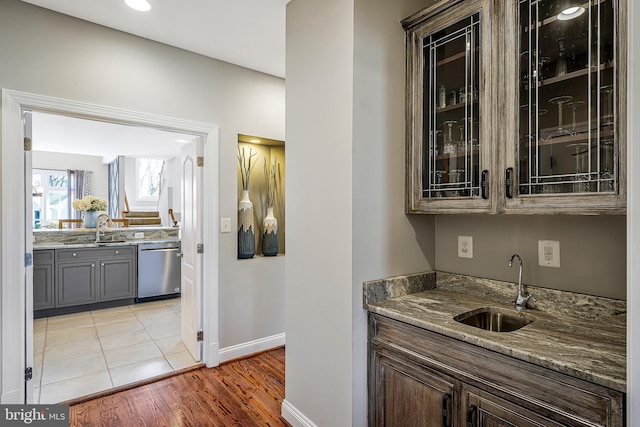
x,y
245,392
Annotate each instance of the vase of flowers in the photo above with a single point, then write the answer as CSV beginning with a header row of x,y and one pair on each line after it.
x,y
270,222
246,233
91,207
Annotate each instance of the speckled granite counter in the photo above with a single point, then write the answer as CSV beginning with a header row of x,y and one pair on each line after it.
x,y
83,237
579,335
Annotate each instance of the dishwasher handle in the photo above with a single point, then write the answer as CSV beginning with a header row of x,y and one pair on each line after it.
x,y
159,249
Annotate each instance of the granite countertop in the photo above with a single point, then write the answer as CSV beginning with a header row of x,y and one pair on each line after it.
x,y
103,244
579,335
86,238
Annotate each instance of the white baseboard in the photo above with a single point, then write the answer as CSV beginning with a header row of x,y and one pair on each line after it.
x,y
294,417
12,397
212,355
247,348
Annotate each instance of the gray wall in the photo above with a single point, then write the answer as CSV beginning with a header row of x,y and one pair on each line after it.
x,y
345,221
47,53
592,250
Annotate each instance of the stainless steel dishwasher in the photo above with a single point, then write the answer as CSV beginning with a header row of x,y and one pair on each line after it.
x,y
159,270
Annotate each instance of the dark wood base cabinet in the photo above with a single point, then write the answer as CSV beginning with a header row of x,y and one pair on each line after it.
x,y
421,378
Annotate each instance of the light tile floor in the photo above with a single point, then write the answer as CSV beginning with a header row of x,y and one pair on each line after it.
x,y
84,353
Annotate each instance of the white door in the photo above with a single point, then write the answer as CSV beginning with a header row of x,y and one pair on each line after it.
x,y
191,230
28,214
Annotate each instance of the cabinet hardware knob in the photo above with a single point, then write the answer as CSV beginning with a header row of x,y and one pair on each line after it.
x,y
117,252
102,264
74,254
93,265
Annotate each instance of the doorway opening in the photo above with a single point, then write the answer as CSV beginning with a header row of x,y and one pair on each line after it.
x,y
207,315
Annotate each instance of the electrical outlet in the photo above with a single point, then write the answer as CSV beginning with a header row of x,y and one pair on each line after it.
x,y
138,235
225,225
548,253
465,246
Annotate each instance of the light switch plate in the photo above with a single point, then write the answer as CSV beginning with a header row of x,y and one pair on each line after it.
x,y
549,253
465,246
225,225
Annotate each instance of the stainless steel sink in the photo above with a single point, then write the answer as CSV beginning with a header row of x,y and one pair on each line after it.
x,y
495,319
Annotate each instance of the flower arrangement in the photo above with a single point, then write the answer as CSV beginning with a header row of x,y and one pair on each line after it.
x,y
270,177
246,166
90,203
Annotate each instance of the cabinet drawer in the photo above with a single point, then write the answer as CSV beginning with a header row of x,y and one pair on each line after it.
x,y
94,253
43,256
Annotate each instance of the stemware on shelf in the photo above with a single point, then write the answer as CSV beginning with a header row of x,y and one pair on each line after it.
x,y
607,105
450,147
559,101
582,169
574,105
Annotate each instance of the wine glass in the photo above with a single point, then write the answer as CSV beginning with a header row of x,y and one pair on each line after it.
x,y
574,106
607,105
561,62
450,147
559,101
581,175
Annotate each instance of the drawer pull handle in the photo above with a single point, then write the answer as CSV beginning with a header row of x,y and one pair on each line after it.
x,y
484,184
507,183
446,410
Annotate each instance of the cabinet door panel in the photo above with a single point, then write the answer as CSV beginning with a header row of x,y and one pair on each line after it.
x,y
76,283
117,279
408,396
43,286
449,131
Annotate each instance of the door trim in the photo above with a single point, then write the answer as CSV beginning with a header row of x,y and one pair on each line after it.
x,y
15,303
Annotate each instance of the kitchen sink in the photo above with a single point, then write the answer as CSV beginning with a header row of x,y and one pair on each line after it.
x,y
495,319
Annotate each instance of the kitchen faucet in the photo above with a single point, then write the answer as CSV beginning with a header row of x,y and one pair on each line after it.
x,y
102,221
521,300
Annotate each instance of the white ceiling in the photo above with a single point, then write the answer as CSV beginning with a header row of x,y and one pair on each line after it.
x,y
249,33
61,134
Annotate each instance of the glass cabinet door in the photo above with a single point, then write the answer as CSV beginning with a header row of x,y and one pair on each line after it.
x,y
451,149
568,98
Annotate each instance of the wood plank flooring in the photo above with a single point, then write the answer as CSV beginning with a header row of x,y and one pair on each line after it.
x,y
245,392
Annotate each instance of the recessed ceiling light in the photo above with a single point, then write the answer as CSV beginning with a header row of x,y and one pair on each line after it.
x,y
570,13
255,141
141,5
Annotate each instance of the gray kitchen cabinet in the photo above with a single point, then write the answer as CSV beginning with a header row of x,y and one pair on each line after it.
x,y
43,279
90,275
421,378
76,283
117,278
516,107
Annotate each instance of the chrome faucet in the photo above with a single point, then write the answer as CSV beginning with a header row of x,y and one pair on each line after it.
x,y
521,300
102,221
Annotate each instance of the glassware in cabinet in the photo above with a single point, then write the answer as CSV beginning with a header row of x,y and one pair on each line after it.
x,y
568,92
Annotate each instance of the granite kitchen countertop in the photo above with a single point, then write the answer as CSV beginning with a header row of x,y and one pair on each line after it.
x,y
578,335
102,244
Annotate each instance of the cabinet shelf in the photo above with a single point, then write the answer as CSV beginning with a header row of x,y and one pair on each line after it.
x,y
454,107
454,57
571,75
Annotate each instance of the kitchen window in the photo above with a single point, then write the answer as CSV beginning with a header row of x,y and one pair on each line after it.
x,y
148,174
50,196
